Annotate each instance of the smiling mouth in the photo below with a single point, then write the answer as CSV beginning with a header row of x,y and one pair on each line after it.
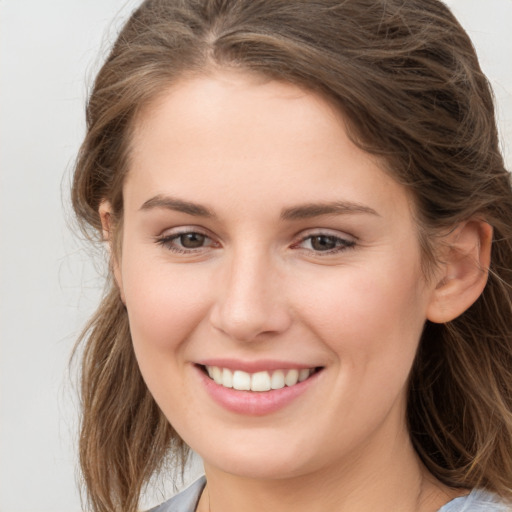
x,y
259,381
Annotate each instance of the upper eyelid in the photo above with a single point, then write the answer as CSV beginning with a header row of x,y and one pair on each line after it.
x,y
345,241
169,242
181,230
304,234
342,245
171,234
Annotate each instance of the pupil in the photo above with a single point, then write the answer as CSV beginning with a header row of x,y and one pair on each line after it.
x,y
192,240
323,243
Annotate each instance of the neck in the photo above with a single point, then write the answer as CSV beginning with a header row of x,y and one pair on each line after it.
x,y
393,479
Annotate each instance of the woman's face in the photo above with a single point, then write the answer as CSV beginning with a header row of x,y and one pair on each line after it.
x,y
262,246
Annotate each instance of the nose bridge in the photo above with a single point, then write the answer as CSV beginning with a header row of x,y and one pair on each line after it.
x,y
249,301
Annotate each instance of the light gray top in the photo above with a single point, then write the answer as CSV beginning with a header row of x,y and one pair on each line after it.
x,y
185,501
477,501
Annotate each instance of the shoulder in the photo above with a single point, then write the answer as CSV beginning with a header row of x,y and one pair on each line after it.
x,y
478,501
185,501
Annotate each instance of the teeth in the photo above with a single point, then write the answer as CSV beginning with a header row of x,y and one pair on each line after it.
x,y
217,374
227,378
277,379
304,374
241,380
259,381
292,377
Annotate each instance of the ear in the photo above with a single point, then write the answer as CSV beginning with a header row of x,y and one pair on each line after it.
x,y
464,271
105,213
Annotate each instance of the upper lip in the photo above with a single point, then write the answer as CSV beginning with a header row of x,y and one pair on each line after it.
x,y
260,365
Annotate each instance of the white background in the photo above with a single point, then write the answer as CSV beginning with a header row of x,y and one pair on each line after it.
x,y
49,52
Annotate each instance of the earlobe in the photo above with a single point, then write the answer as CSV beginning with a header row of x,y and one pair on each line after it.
x,y
464,271
105,213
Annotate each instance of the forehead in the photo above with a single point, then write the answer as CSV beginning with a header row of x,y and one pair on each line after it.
x,y
201,106
240,133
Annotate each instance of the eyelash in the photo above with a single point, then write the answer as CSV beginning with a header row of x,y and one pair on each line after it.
x,y
167,242
341,244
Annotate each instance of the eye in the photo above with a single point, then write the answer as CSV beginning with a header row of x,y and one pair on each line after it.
x,y
191,240
186,242
325,243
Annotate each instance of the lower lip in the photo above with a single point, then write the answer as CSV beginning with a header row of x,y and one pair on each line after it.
x,y
255,403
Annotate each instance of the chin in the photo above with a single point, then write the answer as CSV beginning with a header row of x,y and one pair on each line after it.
x,y
271,461
258,468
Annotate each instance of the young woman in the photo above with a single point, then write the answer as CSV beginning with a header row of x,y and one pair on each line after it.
x,y
309,223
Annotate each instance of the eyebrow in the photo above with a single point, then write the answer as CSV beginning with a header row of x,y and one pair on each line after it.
x,y
304,211
310,210
178,205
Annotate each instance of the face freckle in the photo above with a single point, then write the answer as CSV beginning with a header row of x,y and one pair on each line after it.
x,y
258,238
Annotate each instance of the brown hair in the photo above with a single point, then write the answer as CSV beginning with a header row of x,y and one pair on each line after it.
x,y
408,81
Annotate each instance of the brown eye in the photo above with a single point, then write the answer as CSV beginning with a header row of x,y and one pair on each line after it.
x,y
187,242
192,240
324,242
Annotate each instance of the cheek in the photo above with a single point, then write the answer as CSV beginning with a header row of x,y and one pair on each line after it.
x,y
371,316
165,303
165,306
372,322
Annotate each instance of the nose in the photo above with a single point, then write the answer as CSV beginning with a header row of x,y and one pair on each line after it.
x,y
251,304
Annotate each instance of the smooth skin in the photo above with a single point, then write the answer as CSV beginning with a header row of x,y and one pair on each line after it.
x,y
254,229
